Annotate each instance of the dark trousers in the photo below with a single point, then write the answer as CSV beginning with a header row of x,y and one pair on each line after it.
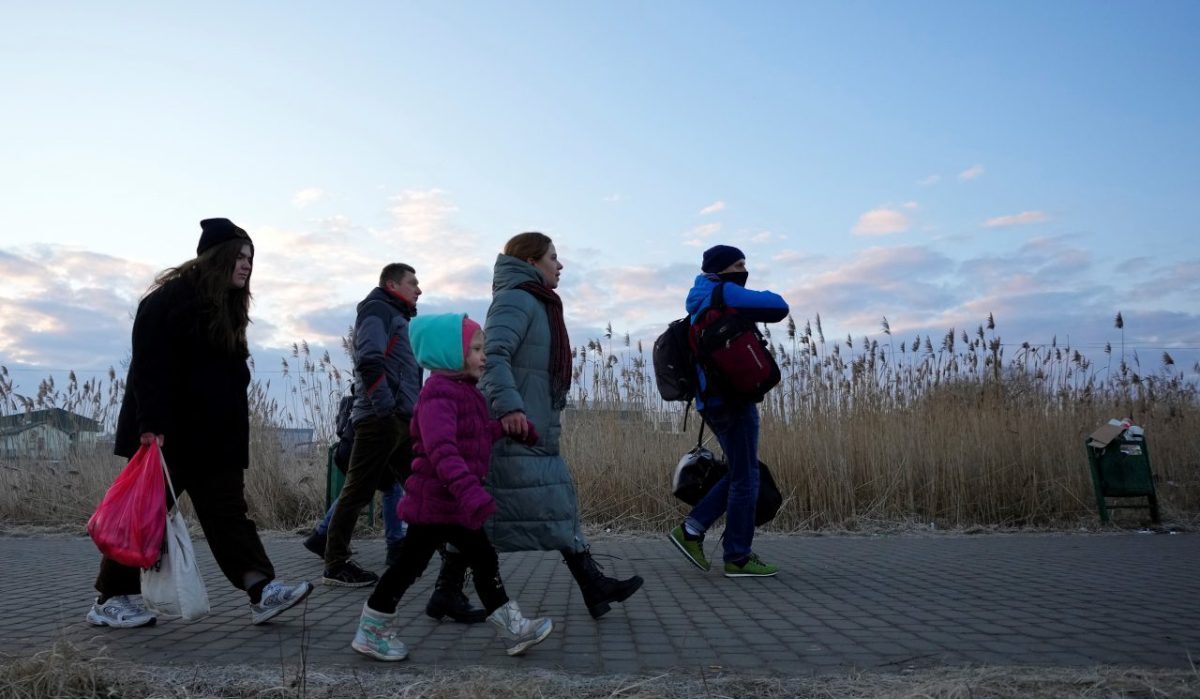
x,y
420,544
219,498
735,495
381,447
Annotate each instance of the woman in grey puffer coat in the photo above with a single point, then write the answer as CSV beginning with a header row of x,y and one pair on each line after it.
x,y
526,381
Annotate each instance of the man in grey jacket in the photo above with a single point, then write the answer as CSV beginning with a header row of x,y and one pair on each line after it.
x,y
387,380
386,383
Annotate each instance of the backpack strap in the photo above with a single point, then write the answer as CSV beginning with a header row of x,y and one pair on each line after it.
x,y
718,297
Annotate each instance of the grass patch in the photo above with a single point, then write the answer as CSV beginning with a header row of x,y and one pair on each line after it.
x,y
67,671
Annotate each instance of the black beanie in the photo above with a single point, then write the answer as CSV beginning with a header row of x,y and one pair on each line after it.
x,y
718,257
216,231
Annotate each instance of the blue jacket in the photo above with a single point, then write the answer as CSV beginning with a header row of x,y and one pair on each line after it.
x,y
758,306
386,376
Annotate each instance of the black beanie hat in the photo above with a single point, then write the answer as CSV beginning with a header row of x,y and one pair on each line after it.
x,y
718,257
216,231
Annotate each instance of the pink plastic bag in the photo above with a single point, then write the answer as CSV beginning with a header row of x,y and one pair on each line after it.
x,y
128,525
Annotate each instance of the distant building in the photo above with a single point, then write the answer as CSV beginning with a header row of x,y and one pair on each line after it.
x,y
293,438
40,441
660,420
45,434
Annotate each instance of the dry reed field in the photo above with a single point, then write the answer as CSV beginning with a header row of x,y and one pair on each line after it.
x,y
967,431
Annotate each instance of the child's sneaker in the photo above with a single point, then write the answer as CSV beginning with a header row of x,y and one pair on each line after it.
x,y
517,632
376,636
277,598
691,546
752,567
120,612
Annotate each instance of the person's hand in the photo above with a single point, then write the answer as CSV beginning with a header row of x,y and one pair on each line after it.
x,y
531,436
477,505
516,425
149,438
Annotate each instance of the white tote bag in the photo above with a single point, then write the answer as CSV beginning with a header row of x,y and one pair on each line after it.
x,y
172,587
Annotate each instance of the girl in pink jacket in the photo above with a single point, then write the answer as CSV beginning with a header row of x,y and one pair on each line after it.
x,y
444,499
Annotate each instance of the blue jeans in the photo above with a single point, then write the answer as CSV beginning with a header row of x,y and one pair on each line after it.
x,y
394,528
735,495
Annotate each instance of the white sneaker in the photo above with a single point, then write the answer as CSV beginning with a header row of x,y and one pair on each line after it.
x,y
517,632
278,597
376,636
120,612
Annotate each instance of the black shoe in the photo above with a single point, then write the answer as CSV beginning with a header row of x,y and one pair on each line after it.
x,y
348,574
448,598
315,542
393,553
599,591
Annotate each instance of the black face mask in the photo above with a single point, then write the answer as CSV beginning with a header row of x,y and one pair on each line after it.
x,y
738,278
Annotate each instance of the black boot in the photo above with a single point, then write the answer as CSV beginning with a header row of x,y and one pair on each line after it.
x,y
598,589
448,598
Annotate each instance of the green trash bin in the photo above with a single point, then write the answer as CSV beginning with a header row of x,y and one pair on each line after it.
x,y
1121,469
335,479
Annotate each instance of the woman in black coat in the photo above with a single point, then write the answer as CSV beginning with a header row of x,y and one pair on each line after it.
x,y
186,389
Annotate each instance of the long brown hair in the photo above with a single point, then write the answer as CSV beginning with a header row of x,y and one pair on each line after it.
x,y
226,307
526,246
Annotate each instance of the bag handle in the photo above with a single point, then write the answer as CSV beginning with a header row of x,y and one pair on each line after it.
x,y
700,436
167,472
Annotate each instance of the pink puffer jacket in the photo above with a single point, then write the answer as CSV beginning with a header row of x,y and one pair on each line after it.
x,y
452,444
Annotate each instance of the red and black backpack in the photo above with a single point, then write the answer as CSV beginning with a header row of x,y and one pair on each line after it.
x,y
738,363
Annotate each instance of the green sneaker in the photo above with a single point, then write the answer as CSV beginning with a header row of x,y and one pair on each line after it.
x,y
753,567
692,548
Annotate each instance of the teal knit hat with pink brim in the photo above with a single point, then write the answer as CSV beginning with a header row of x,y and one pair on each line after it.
x,y
442,341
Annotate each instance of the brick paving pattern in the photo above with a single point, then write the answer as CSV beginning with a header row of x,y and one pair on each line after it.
x,y
885,603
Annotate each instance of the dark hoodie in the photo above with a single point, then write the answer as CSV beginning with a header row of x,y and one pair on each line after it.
x,y
387,378
183,386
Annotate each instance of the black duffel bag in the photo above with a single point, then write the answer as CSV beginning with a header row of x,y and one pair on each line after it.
x,y
700,470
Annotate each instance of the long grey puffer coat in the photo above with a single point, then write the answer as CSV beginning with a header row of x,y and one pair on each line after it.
x,y
538,509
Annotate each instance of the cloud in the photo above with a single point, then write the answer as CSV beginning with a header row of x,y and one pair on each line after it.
x,y
971,173
910,205
66,308
1181,279
930,180
614,198
1022,219
633,297
342,259
788,257
763,237
420,216
698,236
881,222
307,196
713,208
63,307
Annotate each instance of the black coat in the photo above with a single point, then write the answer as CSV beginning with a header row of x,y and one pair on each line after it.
x,y
183,386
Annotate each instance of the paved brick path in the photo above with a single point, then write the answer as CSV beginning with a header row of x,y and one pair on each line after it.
x,y
885,603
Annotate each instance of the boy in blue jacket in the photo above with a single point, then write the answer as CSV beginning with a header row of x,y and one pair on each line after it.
x,y
735,423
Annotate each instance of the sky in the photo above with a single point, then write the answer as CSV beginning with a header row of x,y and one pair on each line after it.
x,y
928,162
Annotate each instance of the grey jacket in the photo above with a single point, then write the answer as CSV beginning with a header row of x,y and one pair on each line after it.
x,y
386,376
538,509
